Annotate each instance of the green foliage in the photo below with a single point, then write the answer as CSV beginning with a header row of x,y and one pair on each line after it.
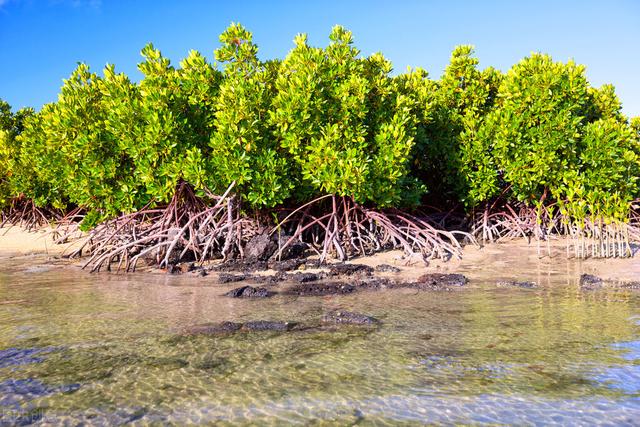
x,y
448,157
635,127
174,110
71,152
535,128
552,137
604,104
609,169
324,121
242,148
345,122
11,125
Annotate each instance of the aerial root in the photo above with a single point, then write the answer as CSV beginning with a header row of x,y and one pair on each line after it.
x,y
337,226
23,212
186,229
590,238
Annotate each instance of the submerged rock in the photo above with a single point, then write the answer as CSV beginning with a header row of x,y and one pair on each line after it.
x,y
306,277
515,284
268,325
22,356
320,289
269,278
630,285
232,327
438,281
249,292
386,268
349,318
231,278
590,282
350,270
213,328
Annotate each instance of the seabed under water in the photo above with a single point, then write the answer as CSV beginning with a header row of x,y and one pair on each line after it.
x,y
105,349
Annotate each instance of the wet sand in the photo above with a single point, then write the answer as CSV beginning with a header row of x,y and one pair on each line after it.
x,y
494,261
16,241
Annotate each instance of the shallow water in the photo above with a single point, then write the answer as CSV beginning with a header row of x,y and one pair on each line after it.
x,y
103,349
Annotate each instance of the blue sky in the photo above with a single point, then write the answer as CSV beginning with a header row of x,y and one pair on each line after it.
x,y
41,40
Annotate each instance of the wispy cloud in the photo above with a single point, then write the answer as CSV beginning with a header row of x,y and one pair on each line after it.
x,y
94,4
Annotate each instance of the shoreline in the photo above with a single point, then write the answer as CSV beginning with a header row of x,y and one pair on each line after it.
x,y
495,260
16,241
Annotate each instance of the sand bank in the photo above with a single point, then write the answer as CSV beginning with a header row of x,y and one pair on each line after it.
x,y
15,241
512,260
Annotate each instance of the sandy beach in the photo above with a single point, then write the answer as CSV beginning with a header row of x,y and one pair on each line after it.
x,y
494,261
16,241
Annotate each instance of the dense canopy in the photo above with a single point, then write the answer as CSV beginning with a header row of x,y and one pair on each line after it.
x,y
325,121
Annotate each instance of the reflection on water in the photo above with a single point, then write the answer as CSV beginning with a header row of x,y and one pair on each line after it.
x,y
106,349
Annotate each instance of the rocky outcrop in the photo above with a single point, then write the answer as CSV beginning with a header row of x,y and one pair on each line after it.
x,y
386,268
438,282
350,270
590,282
320,289
260,247
249,292
348,318
231,278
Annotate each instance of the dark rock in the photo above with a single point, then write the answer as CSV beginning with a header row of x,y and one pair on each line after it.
x,y
201,272
349,318
313,263
295,249
166,363
386,268
249,292
630,285
515,284
244,266
22,356
350,270
217,364
287,265
267,325
187,267
230,278
173,269
438,281
590,282
269,278
260,247
319,289
214,328
306,277
374,283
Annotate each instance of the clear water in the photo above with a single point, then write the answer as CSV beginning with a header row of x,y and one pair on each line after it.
x,y
105,349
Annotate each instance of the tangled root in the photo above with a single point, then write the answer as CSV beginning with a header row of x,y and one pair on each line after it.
x,y
337,226
187,228
24,213
590,238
